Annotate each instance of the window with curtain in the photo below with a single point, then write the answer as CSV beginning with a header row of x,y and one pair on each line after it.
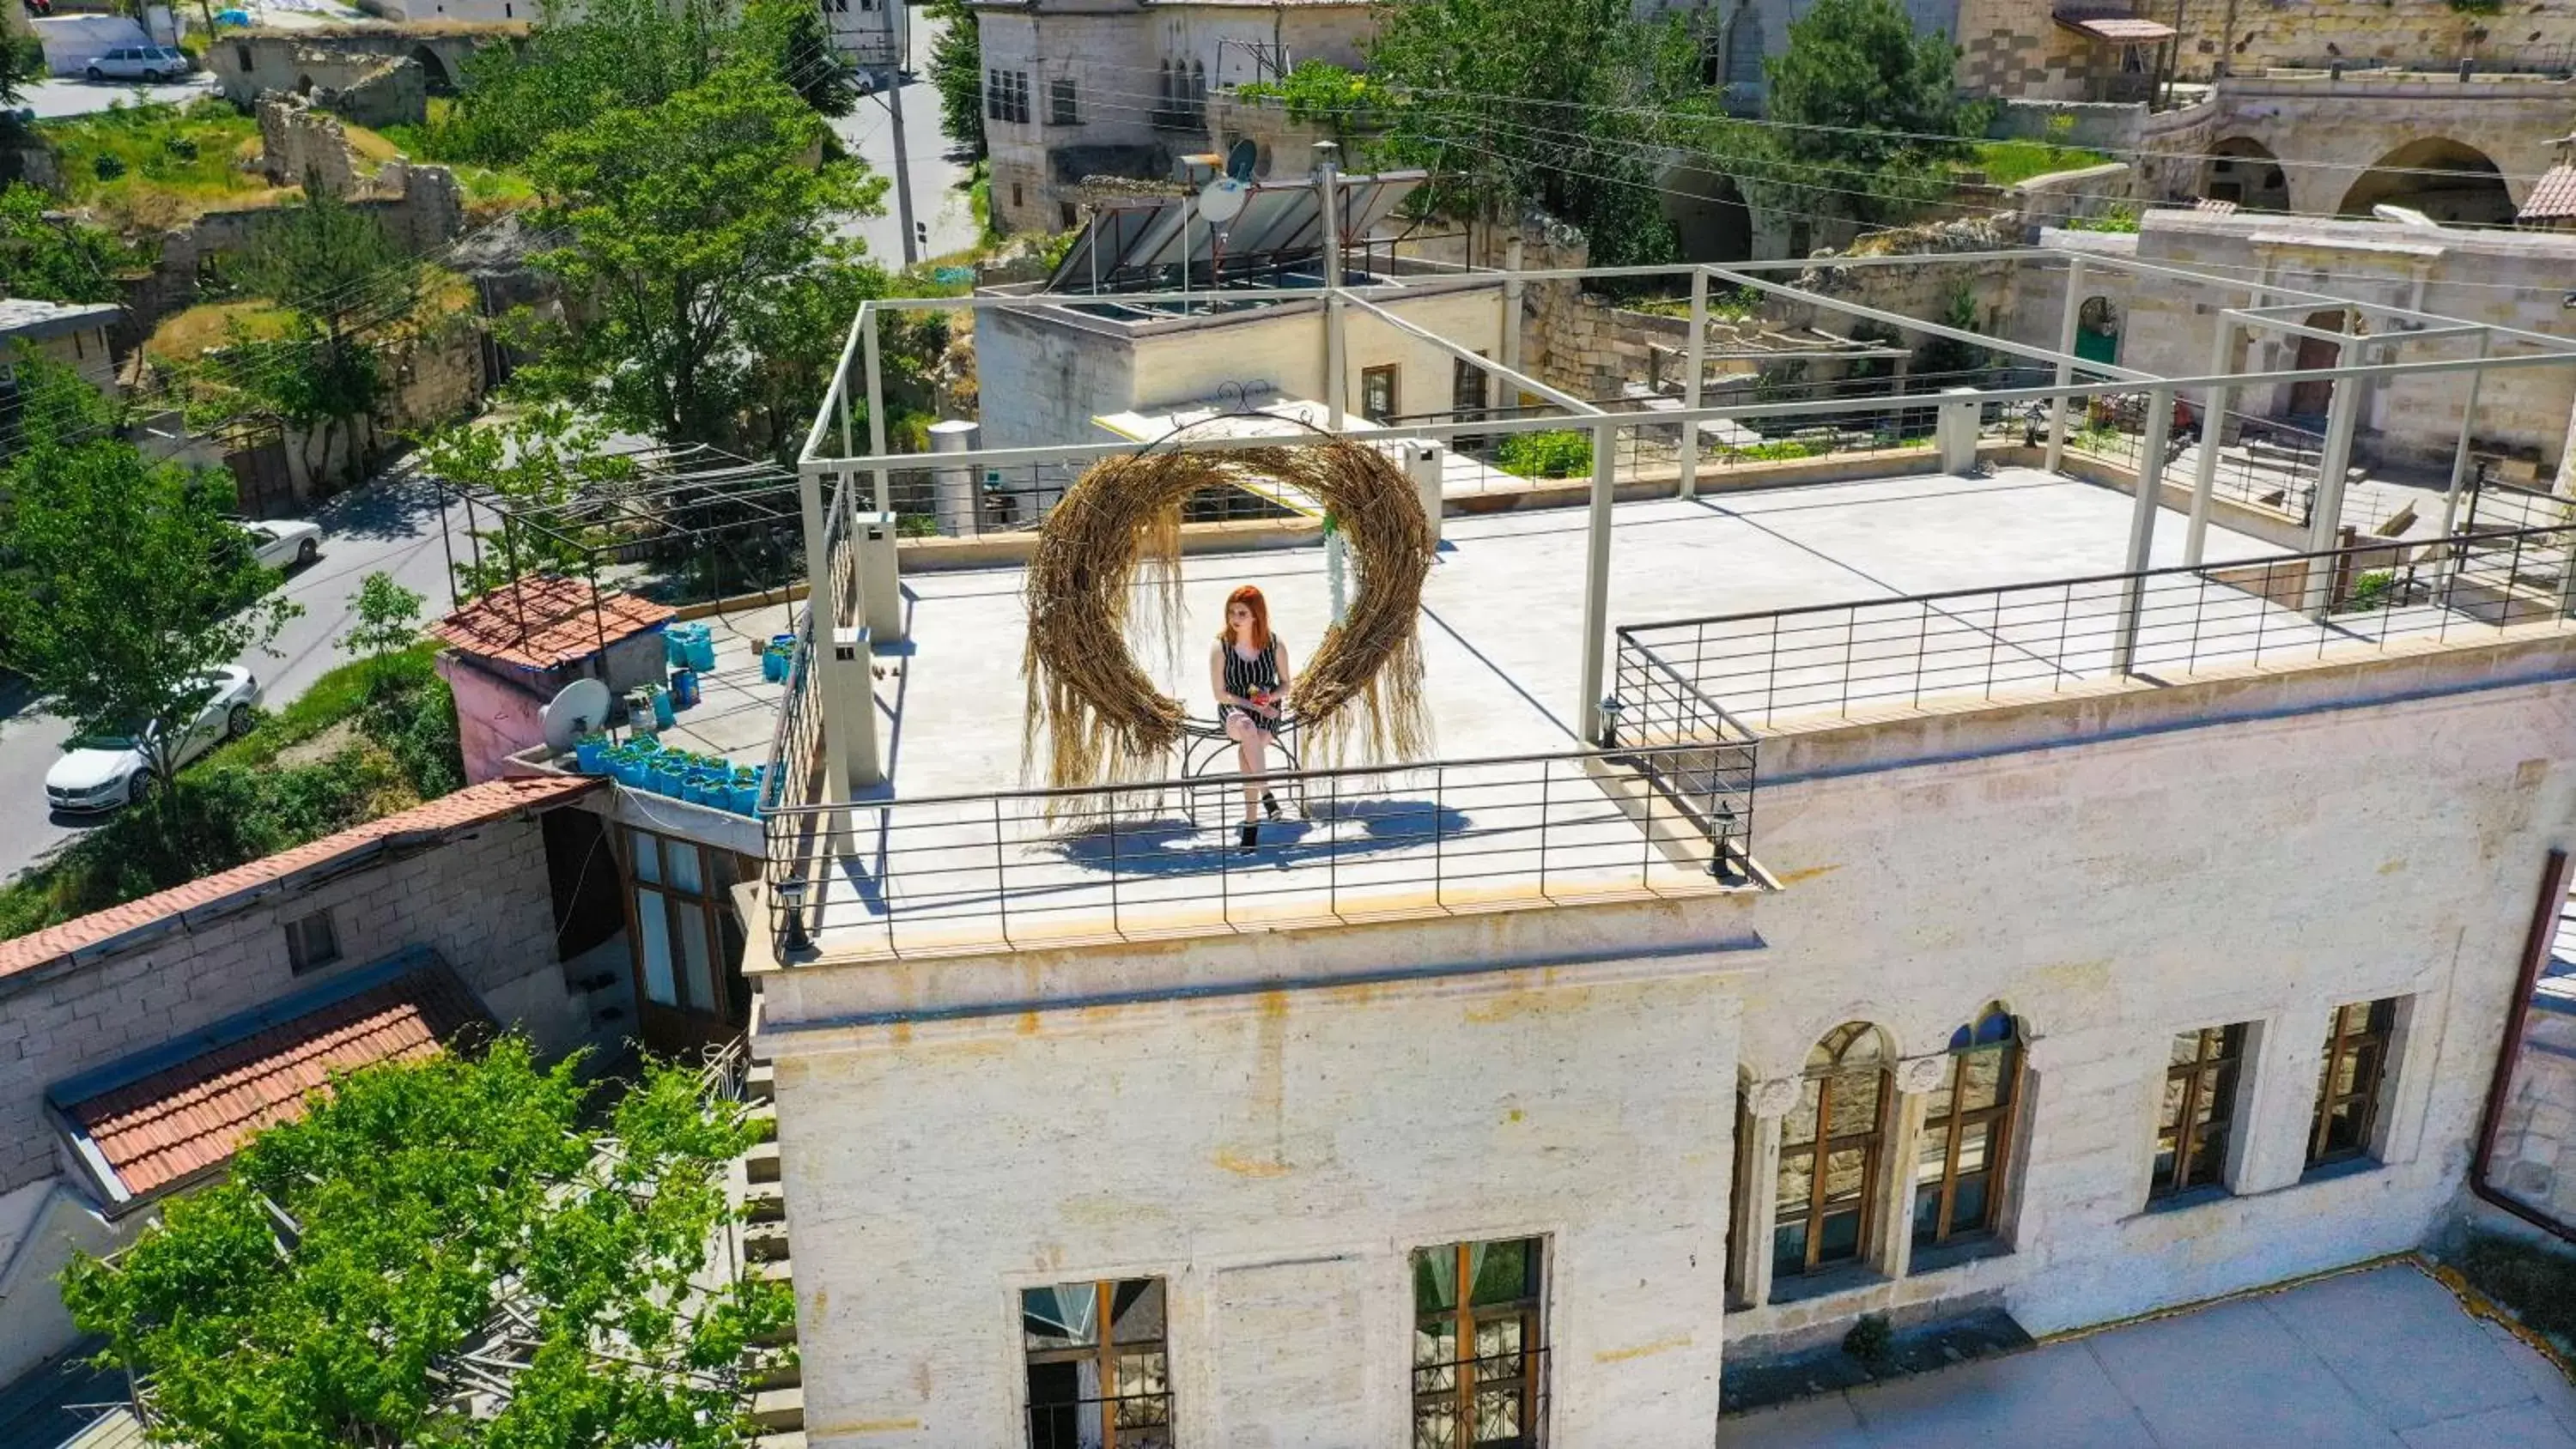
x,y
2348,1087
1097,1380
1967,1132
1829,1150
2199,1109
1478,1354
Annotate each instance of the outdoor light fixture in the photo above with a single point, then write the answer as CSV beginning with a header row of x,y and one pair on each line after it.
x,y
791,898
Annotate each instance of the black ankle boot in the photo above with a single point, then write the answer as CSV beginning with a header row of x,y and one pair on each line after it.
x,y
1270,804
1250,836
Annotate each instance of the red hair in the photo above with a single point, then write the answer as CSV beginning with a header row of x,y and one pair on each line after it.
x,y
1251,598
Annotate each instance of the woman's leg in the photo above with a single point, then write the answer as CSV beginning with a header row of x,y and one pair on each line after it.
x,y
1251,742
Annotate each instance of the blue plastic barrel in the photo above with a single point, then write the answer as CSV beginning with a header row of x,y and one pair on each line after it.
x,y
684,688
662,716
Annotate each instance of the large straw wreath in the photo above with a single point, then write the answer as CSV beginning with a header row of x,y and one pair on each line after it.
x,y
1119,526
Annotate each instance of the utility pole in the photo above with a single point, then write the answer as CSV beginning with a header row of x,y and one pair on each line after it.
x,y
899,20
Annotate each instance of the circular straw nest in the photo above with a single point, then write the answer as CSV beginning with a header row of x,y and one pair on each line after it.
x,y
1119,527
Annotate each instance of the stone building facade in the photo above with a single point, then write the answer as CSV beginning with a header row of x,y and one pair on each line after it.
x,y
2048,897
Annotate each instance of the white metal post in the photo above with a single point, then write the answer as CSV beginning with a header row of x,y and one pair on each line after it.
x,y
2460,454
2065,368
822,617
2142,527
1328,189
1511,314
2325,519
1596,579
2213,426
1691,382
876,410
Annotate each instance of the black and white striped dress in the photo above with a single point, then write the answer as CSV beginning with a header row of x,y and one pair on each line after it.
x,y
1246,677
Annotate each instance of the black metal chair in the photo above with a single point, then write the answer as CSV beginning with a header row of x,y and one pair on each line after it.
x,y
1205,747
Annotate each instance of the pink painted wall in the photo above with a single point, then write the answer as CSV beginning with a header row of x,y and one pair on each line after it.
x,y
494,719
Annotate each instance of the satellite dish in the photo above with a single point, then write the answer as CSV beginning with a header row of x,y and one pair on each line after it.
x,y
581,708
1240,158
1221,200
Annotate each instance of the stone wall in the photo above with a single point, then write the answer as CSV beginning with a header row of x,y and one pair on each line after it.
x,y
248,64
1575,1072
481,901
302,146
2527,34
2535,1151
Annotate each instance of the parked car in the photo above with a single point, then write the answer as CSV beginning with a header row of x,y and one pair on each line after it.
x,y
103,771
141,62
281,543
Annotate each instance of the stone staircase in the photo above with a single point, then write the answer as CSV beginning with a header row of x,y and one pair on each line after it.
x,y
778,1386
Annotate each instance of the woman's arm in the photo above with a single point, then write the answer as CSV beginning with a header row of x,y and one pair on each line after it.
x,y
1287,679
1216,676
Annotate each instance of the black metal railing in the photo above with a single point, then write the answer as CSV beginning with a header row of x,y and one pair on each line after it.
x,y
1695,755
1830,659
1496,1401
984,502
2271,465
1140,1421
1102,863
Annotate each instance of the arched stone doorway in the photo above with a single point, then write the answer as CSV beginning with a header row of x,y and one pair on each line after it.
x,y
2444,179
434,74
1708,215
2244,170
2310,397
2097,331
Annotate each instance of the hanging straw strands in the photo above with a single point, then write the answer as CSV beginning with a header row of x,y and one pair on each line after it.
x,y
1117,532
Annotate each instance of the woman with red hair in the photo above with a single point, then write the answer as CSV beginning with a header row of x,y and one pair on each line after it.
x,y
1248,671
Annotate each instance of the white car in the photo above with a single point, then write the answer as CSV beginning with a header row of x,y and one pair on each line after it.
x,y
281,543
101,772
141,62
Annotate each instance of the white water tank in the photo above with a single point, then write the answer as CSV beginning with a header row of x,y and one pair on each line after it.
x,y
953,494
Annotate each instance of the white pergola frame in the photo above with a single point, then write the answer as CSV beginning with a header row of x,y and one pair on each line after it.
x,y
2263,312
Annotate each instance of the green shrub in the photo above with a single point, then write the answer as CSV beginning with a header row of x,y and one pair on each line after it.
x,y
108,165
2537,1283
1870,1339
183,147
1565,454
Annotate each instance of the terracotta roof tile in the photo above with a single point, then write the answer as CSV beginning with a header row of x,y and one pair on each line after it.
x,y
540,622
469,807
186,1118
2554,198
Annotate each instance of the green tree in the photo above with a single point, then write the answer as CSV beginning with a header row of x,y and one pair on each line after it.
x,y
957,71
1562,104
803,55
534,462
344,278
330,1291
125,586
687,220
54,260
1866,114
388,618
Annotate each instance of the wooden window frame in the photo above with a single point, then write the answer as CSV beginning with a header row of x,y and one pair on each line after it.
x,y
2219,1058
2377,1031
1394,376
1063,103
1955,1125
1872,1145
1465,1387
1105,1353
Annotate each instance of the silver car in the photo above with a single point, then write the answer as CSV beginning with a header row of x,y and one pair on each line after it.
x,y
141,63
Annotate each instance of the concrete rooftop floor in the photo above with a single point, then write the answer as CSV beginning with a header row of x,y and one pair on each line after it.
x,y
2382,1357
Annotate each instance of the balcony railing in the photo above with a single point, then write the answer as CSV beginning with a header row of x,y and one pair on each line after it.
x,y
1829,660
1025,866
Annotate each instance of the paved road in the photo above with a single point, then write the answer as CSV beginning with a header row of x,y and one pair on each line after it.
x,y
939,176
391,525
71,96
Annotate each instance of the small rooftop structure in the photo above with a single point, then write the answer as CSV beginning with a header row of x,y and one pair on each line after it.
x,y
2553,198
176,1114
2117,26
545,622
27,317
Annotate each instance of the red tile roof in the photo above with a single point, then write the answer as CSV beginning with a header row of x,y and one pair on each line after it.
x,y
467,808
2554,198
541,622
188,1119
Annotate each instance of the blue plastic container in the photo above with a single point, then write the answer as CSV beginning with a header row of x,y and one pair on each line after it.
x,y
663,718
590,754
773,666
746,797
629,770
684,688
702,654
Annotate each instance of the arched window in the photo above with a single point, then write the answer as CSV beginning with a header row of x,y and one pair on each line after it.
x,y
1967,1132
1829,1151
1165,70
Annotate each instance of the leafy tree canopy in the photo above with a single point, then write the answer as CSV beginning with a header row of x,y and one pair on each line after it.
x,y
328,1292
124,585
957,71
540,458
692,223
1867,115
56,261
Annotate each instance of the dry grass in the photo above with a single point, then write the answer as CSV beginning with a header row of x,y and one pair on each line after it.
x,y
1100,717
189,335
